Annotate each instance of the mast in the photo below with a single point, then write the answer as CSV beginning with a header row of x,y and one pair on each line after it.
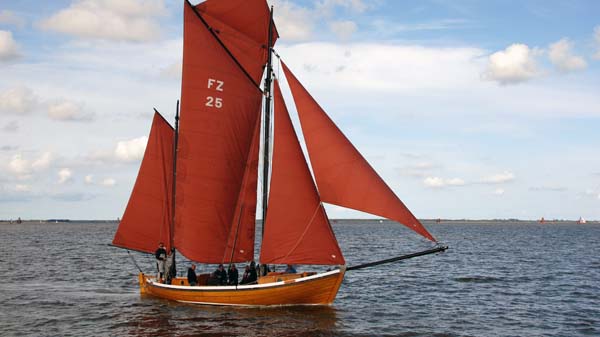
x,y
172,226
267,126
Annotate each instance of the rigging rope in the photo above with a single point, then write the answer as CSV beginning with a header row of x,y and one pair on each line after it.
x,y
398,258
134,262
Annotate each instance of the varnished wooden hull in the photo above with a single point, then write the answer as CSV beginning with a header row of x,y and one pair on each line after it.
x,y
318,289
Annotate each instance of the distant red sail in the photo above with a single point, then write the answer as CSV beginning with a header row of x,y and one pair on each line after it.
x,y
148,215
243,26
240,244
220,106
297,230
343,176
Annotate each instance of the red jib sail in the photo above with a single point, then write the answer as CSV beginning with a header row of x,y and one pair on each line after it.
x,y
343,176
148,215
219,109
243,27
297,230
240,245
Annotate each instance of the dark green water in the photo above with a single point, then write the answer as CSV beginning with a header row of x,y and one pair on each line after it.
x,y
497,279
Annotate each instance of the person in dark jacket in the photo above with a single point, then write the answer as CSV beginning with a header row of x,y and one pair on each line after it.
x,y
191,276
161,259
232,275
221,275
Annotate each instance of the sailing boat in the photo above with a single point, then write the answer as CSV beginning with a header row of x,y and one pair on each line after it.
x,y
196,190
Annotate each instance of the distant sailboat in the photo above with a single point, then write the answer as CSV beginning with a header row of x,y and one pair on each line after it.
x,y
196,190
542,220
581,221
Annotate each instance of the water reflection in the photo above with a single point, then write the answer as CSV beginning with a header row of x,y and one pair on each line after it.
x,y
157,317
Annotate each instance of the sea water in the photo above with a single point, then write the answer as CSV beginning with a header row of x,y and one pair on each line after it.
x,y
497,279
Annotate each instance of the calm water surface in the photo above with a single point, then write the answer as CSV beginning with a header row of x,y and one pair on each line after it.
x,y
497,279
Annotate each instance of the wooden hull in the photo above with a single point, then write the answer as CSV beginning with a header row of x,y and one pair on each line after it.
x,y
317,289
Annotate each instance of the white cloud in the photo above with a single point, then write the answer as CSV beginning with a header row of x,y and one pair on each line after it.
x,y
22,188
18,100
108,182
10,18
19,166
172,72
9,49
23,168
328,6
562,58
119,20
293,22
597,39
43,162
499,178
89,179
343,29
498,191
65,175
131,150
437,182
513,65
69,111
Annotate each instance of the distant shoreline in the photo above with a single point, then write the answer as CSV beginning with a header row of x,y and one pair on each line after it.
x,y
335,221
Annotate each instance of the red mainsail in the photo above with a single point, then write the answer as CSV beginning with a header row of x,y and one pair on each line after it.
x,y
220,106
297,230
343,176
243,27
148,215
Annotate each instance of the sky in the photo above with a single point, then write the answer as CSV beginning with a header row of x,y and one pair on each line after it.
x,y
467,109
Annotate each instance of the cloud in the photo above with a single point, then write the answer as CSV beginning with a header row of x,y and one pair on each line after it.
x,y
597,39
10,18
123,20
22,188
12,126
437,182
9,49
293,21
172,72
19,166
65,175
420,169
562,58
19,100
343,29
513,65
131,150
43,162
498,191
328,6
499,178
548,188
89,179
69,111
108,182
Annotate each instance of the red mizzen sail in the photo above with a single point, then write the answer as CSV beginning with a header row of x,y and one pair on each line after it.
x,y
243,27
148,215
343,176
297,230
220,106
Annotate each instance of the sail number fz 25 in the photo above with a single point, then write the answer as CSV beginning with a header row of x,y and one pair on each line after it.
x,y
213,101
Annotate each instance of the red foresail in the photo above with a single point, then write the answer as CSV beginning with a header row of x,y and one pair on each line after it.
x,y
343,176
240,244
297,230
148,215
243,27
220,106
